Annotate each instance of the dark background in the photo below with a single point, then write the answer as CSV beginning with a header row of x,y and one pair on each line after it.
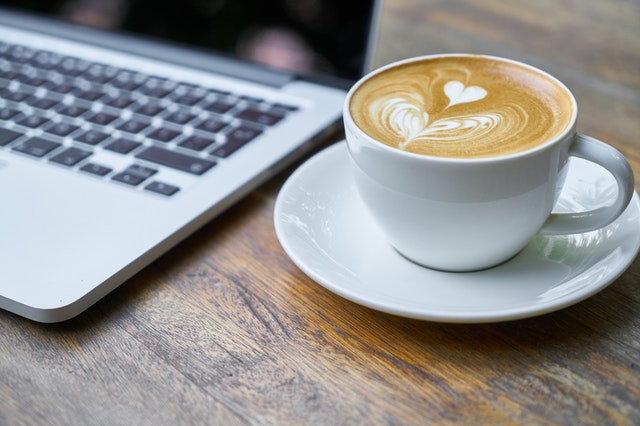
x,y
318,36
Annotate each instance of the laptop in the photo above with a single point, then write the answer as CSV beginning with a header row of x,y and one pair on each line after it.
x,y
127,125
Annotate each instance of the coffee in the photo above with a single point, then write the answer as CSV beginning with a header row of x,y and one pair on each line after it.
x,y
472,202
462,107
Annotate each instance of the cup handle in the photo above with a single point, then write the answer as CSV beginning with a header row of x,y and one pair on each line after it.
x,y
598,152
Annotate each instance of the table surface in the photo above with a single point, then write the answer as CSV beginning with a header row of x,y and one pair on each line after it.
x,y
225,328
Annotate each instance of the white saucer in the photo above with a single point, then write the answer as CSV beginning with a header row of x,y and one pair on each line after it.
x,y
324,227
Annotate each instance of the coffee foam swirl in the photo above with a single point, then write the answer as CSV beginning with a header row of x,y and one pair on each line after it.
x,y
461,108
420,134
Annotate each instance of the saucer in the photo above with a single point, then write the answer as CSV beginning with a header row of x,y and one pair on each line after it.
x,y
325,229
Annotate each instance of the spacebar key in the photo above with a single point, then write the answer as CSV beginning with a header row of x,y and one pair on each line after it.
x,y
176,160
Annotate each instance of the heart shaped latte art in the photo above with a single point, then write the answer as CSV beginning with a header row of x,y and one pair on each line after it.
x,y
405,117
458,93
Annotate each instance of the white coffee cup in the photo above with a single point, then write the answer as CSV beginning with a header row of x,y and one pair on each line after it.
x,y
463,214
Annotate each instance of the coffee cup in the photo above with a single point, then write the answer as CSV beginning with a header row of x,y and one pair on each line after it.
x,y
461,158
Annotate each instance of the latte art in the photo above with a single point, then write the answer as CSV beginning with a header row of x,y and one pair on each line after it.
x,y
458,93
414,126
461,107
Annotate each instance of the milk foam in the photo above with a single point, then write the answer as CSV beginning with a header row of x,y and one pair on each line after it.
x,y
461,108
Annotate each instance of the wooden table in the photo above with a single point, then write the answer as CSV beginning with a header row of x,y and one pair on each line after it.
x,y
225,329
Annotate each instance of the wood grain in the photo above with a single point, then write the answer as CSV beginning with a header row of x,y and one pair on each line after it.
x,y
224,329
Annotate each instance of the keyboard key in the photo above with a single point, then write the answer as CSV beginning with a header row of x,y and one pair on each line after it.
x,y
8,113
71,156
162,188
15,96
19,53
150,109
73,110
196,143
180,117
133,126
212,125
7,136
268,118
236,139
92,137
159,82
62,129
90,95
120,102
188,99
33,121
45,60
42,103
9,74
96,169
72,67
61,87
219,107
102,118
128,178
123,145
128,80
34,81
141,171
157,87
98,73
134,174
176,160
163,134
36,147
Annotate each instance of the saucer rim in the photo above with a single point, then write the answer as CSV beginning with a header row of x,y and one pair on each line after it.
x,y
473,316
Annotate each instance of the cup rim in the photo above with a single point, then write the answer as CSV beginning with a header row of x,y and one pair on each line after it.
x,y
566,132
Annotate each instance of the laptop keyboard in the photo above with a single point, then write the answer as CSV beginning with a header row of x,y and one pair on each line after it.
x,y
62,109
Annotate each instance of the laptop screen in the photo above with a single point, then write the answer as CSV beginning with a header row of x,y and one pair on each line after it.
x,y
303,36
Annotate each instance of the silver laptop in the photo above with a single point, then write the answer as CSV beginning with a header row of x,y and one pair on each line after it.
x,y
117,140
